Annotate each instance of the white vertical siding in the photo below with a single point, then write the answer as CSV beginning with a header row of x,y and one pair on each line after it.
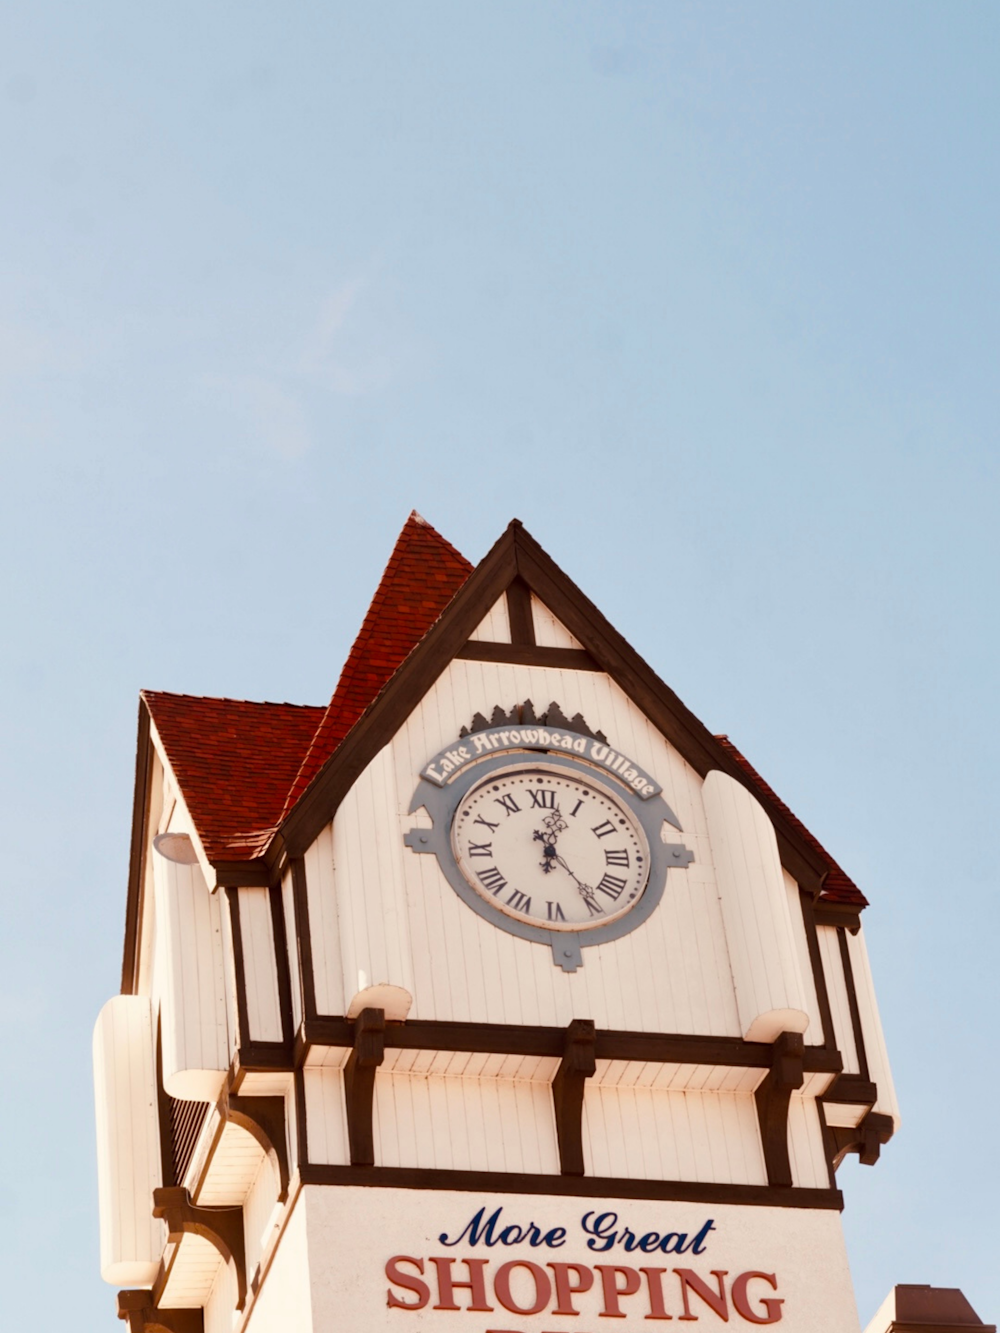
x,y
871,1027
836,989
220,1307
814,1033
495,628
284,1302
193,983
805,1144
370,885
769,988
259,1214
550,632
464,1124
661,1134
326,1116
128,1143
259,965
324,925
291,938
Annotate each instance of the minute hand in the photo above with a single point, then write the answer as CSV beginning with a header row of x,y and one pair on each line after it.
x,y
586,892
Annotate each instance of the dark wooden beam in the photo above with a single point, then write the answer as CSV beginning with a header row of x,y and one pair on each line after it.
x,y
773,1097
359,1083
578,1064
221,1227
523,654
142,1316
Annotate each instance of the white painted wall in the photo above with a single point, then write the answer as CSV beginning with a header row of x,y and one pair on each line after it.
x,y
192,980
128,1144
836,989
352,1232
871,1028
284,1303
260,969
770,994
381,914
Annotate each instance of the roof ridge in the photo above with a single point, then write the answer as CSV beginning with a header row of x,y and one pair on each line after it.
x,y
225,699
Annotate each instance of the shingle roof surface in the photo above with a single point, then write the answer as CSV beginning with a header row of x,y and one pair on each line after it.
x,y
242,766
235,762
423,574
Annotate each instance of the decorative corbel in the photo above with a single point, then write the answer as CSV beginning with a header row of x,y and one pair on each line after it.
x,y
866,1139
221,1227
359,1083
142,1316
577,1065
773,1097
263,1118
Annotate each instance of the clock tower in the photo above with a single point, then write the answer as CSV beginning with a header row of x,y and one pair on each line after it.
x,y
498,995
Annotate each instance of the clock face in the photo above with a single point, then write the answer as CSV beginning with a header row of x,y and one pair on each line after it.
x,y
551,848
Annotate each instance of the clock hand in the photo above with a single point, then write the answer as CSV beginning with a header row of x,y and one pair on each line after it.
x,y
586,892
554,825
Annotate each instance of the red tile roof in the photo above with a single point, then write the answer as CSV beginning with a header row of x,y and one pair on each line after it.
x,y
242,766
423,574
838,887
235,762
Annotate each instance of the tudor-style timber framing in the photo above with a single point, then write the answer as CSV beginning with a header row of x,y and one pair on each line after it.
x,y
577,1065
136,1308
773,1095
221,1227
367,1053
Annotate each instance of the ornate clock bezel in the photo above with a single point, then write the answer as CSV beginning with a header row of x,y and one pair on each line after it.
x,y
442,797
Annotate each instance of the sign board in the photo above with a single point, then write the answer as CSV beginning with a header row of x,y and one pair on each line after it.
x,y
405,1261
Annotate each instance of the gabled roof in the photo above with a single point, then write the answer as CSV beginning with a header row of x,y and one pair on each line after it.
x,y
234,761
252,771
423,574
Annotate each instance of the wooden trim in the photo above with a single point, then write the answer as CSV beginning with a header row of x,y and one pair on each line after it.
x,y
243,1034
577,1065
303,938
221,1227
581,1187
301,1129
773,1097
142,1316
242,874
808,904
263,1118
851,1090
516,554
280,937
168,1175
359,1084
866,1139
837,914
852,1001
509,1039
137,851
522,654
522,622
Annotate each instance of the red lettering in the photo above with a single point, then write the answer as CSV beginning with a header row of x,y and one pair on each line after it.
x,y
543,1287
654,1282
741,1301
447,1285
564,1292
716,1302
420,1289
612,1310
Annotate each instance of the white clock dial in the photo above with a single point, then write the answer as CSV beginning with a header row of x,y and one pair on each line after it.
x,y
551,848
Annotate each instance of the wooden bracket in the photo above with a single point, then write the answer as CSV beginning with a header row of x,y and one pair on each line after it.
x,y
359,1083
137,1309
578,1064
263,1118
221,1227
866,1139
773,1097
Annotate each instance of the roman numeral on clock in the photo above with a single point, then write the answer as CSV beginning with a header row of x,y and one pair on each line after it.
x,y
480,849
508,803
491,879
543,798
612,886
519,901
616,858
602,830
555,912
486,823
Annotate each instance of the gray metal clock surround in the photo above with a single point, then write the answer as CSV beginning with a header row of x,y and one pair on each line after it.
x,y
442,801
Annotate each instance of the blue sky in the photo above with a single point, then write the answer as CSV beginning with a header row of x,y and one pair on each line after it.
x,y
706,294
